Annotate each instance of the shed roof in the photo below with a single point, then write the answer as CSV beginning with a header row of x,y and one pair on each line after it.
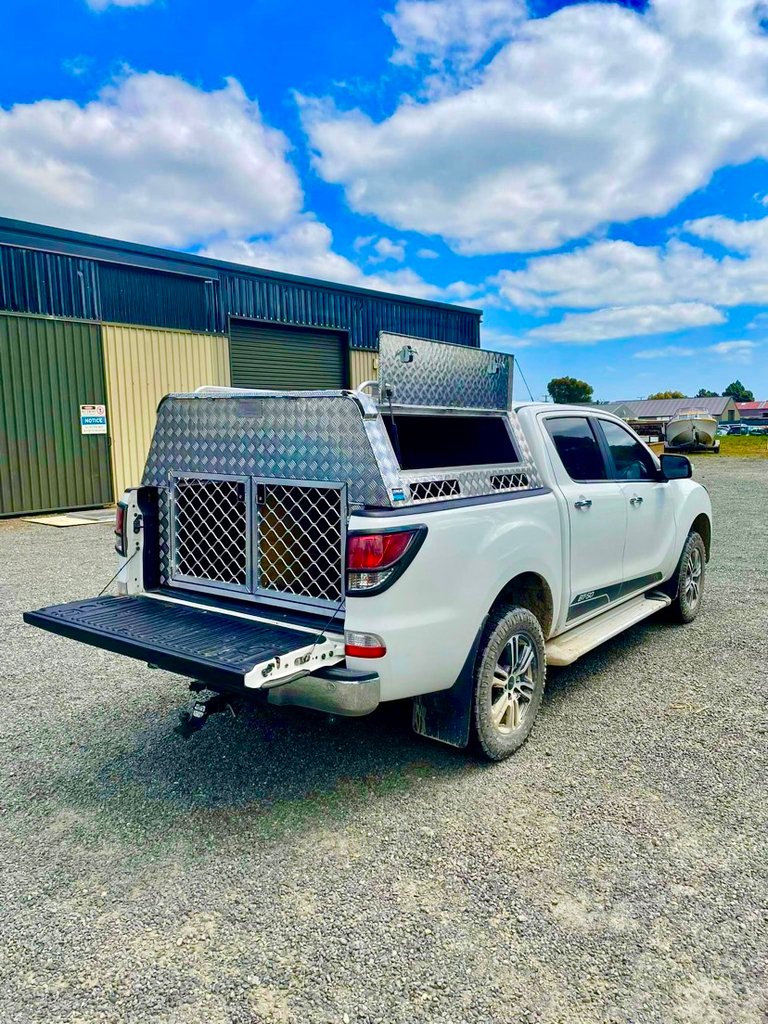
x,y
77,243
662,407
752,406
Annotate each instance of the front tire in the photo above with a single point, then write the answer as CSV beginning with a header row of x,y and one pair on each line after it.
x,y
510,673
690,580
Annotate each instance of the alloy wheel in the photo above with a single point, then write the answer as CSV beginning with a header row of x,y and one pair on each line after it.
x,y
692,578
514,679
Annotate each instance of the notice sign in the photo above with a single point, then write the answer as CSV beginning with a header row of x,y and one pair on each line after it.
x,y
93,419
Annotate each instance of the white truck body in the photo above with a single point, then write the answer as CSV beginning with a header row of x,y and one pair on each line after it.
x,y
569,516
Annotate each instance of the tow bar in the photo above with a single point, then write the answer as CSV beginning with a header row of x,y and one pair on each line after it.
x,y
193,721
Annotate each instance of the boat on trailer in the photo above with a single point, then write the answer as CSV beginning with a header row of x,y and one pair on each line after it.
x,y
692,430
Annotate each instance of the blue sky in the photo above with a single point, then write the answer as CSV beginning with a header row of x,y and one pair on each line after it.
x,y
592,175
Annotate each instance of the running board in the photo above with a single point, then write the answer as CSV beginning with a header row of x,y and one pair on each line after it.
x,y
566,648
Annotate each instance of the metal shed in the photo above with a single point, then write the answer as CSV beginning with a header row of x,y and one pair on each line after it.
x,y
154,309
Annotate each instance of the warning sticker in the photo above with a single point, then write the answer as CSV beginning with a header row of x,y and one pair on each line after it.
x,y
93,419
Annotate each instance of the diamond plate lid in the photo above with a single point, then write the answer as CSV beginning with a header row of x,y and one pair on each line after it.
x,y
434,374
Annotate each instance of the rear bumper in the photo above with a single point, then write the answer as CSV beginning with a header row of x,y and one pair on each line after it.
x,y
336,691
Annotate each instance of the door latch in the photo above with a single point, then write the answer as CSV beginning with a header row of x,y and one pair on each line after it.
x,y
583,503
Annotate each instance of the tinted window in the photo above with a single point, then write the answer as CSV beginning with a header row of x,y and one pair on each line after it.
x,y
631,459
429,441
578,450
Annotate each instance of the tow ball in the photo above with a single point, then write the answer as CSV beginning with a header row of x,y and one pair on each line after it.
x,y
192,721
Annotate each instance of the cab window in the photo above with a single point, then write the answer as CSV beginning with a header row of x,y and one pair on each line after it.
x,y
631,460
577,447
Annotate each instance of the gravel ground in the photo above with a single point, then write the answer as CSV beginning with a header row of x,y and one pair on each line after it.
x,y
277,869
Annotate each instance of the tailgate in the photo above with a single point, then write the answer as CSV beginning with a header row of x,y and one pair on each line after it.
x,y
216,647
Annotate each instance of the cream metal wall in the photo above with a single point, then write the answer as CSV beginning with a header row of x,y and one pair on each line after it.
x,y
363,365
142,365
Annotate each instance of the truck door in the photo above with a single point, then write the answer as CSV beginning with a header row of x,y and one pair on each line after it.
x,y
649,549
597,515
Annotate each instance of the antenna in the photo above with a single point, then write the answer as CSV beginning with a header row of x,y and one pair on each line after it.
x,y
530,393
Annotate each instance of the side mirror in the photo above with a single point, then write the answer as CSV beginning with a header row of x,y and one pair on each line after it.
x,y
675,467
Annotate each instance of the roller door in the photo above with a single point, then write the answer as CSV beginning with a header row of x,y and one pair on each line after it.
x,y
267,356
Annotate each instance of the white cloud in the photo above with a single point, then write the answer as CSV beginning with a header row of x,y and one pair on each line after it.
x,y
101,5
77,66
734,351
386,249
595,114
152,159
628,322
745,236
306,248
453,34
494,339
724,351
666,352
622,273
362,242
427,254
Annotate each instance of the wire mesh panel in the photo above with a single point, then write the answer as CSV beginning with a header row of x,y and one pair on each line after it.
x,y
210,530
434,490
301,541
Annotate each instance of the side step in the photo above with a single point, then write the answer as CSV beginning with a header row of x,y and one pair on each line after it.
x,y
566,648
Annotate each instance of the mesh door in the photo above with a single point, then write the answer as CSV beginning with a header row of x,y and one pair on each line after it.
x,y
301,541
211,530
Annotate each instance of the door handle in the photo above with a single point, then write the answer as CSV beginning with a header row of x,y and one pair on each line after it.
x,y
636,500
583,503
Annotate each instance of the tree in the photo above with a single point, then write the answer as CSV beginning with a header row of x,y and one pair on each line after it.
x,y
703,393
567,390
667,394
738,392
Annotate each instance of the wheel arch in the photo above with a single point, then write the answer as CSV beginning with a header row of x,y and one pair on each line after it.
x,y
702,525
529,590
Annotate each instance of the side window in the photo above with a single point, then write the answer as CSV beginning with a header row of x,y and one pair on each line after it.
x,y
631,459
577,447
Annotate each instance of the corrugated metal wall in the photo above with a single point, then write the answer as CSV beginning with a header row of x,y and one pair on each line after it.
x,y
48,283
89,278
362,315
144,364
133,296
362,366
48,368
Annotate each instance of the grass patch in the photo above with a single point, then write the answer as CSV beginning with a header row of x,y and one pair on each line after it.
x,y
751,446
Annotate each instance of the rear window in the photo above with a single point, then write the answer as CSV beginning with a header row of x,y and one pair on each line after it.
x,y
577,447
439,442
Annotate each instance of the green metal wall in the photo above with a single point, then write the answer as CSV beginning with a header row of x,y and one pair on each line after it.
x,y
48,369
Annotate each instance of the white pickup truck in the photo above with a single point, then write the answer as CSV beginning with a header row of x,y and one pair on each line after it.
x,y
433,541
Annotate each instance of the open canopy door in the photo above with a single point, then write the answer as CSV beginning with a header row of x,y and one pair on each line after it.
x,y
418,373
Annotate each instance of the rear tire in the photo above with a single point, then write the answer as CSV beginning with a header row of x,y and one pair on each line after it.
x,y
690,580
510,673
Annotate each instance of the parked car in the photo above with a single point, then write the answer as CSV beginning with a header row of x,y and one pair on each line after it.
x,y
738,429
441,544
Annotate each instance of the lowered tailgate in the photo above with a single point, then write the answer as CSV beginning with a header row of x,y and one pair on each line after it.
x,y
216,647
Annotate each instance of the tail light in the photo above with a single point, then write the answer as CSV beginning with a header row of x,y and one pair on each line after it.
x,y
376,560
121,537
363,645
